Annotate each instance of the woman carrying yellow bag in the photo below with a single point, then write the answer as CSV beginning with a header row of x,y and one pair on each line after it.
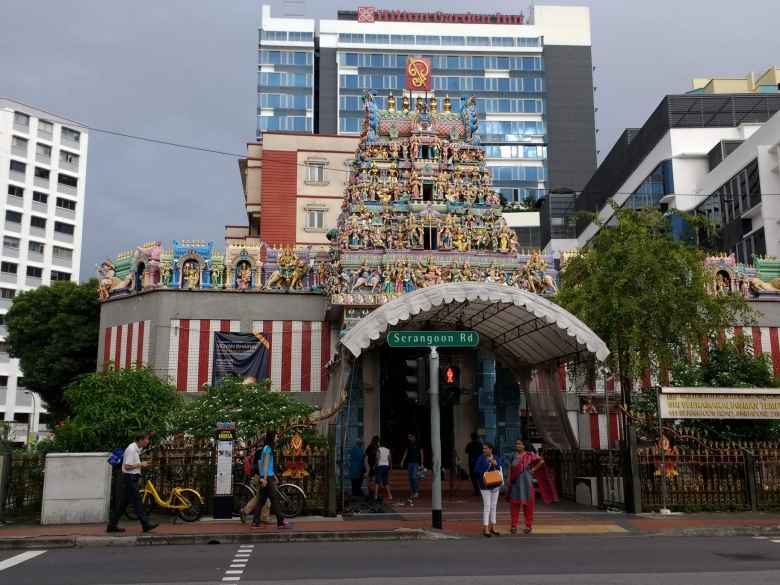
x,y
490,481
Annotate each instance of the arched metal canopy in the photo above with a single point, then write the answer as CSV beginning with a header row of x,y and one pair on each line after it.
x,y
521,325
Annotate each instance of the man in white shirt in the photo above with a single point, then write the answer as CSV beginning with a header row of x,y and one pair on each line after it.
x,y
131,476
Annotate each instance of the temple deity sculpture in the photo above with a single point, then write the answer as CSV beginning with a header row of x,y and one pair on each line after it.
x,y
391,103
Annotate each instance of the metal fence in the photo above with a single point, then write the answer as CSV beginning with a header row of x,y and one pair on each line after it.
x,y
593,472
24,488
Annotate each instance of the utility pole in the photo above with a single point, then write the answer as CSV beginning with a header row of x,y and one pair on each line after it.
x,y
436,513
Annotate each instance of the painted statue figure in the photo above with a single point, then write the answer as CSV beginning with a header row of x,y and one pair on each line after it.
x,y
108,282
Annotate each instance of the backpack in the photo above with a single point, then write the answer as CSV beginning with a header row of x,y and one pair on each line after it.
x,y
117,455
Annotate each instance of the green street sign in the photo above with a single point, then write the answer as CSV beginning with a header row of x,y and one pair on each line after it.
x,y
433,339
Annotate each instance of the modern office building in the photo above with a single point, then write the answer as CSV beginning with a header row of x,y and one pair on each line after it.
x,y
532,78
674,160
43,165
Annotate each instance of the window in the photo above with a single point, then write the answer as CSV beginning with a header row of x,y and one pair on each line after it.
x,y
36,247
15,191
315,219
60,252
67,158
7,293
38,222
39,197
18,144
21,119
273,35
67,180
9,267
13,216
64,228
70,135
42,152
42,173
11,242
18,167
66,204
45,128
300,36
315,172
34,272
56,276
3,379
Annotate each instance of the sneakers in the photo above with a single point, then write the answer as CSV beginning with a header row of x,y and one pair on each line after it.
x,y
150,527
284,525
114,529
243,517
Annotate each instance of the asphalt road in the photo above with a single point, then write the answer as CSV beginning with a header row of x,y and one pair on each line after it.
x,y
582,560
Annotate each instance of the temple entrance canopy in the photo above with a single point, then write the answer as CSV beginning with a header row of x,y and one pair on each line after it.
x,y
529,334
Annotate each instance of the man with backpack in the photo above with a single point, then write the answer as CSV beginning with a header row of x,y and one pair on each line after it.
x,y
131,479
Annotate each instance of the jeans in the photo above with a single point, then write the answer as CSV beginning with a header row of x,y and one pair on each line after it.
x,y
265,493
489,505
412,468
128,492
357,487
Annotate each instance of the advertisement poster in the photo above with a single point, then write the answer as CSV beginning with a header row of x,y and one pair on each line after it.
x,y
245,355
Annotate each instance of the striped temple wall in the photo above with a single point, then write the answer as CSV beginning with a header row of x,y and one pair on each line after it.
x,y
127,345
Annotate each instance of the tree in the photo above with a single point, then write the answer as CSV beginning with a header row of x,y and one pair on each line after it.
x,y
252,407
53,330
110,407
645,294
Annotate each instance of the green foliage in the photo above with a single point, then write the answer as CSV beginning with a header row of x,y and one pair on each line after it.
x,y
53,330
644,293
110,407
252,407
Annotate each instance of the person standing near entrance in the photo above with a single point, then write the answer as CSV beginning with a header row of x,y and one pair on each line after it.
x,y
473,451
487,462
413,459
131,477
371,453
521,485
383,463
268,483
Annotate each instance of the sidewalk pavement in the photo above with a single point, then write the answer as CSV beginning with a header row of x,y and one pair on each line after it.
x,y
461,519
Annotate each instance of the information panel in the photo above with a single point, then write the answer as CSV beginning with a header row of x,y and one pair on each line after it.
x,y
720,403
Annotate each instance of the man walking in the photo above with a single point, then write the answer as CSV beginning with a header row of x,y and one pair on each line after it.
x,y
413,458
474,450
131,476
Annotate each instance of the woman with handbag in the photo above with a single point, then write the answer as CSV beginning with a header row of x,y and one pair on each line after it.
x,y
490,481
521,485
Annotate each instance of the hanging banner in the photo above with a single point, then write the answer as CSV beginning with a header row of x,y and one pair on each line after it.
x,y
245,355
720,403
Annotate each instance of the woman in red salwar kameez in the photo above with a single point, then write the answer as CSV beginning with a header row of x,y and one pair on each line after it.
x,y
521,486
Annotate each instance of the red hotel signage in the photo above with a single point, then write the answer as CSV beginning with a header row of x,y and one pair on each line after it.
x,y
371,14
418,74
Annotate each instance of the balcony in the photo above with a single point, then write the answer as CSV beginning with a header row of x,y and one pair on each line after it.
x,y
38,206
16,176
34,256
41,182
65,213
62,261
22,126
15,201
33,281
69,166
8,277
38,232
10,252
69,142
44,134
67,189
19,150
43,158
13,226
67,238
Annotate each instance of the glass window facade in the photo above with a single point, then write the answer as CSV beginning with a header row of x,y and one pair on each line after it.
x,y
658,183
522,91
285,85
378,39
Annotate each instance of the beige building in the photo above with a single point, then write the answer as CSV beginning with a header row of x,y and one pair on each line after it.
x,y
293,187
767,82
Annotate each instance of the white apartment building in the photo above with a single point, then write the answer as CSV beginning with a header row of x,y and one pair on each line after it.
x,y
43,168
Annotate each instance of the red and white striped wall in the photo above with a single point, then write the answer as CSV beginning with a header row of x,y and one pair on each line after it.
x,y
299,352
191,350
127,346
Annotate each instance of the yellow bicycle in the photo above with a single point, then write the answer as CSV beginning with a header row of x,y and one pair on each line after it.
x,y
186,502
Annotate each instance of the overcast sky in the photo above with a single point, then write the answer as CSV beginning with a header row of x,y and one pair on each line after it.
x,y
185,71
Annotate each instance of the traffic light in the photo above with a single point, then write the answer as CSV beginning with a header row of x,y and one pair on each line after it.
x,y
450,376
417,379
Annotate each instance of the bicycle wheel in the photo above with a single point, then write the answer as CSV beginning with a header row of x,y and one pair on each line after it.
x,y
292,500
195,509
242,493
147,503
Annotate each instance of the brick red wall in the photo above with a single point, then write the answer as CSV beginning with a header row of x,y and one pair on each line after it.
x,y
279,189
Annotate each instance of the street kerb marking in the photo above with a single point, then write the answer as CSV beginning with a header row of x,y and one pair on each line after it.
x,y
20,558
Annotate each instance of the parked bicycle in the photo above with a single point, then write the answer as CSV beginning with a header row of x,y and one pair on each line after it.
x,y
186,502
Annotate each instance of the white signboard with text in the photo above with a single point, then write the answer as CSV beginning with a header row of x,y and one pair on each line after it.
x,y
720,403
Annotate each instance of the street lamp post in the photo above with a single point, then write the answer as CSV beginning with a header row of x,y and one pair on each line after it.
x,y
31,420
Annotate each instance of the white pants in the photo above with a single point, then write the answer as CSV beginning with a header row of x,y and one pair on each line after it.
x,y
489,505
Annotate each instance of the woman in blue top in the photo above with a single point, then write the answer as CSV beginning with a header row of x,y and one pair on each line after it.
x,y
264,462
487,462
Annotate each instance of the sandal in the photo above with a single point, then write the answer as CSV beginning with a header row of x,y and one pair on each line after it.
x,y
526,531
486,534
513,530
495,532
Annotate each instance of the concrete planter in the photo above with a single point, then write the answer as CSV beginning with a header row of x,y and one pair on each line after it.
x,y
76,488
